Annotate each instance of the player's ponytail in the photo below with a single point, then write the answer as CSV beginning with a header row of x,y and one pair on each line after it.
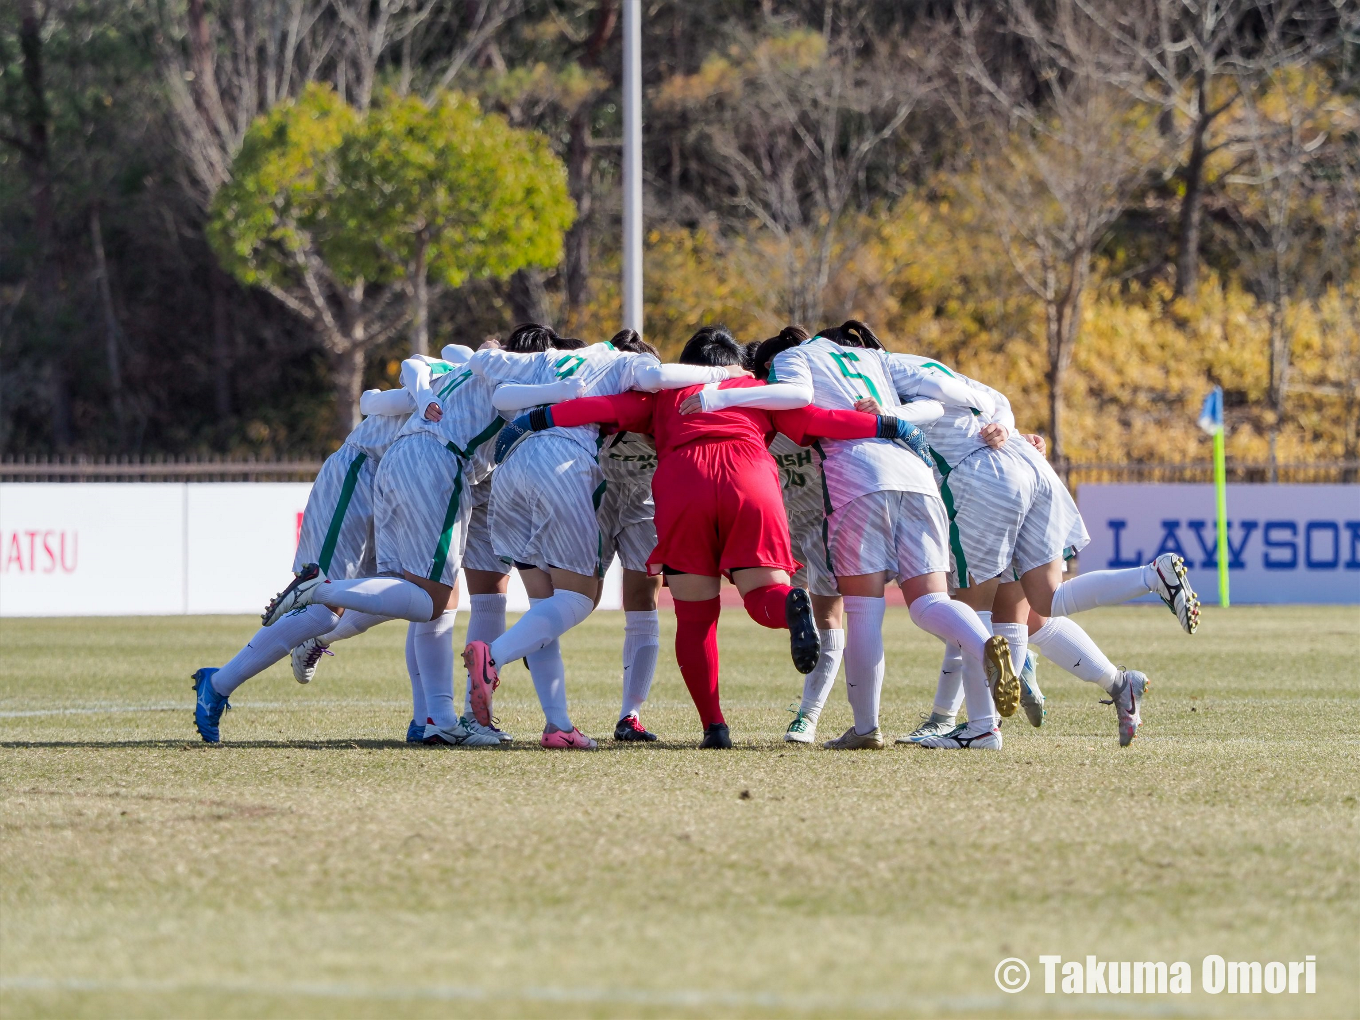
x,y
713,346
629,341
789,336
852,333
534,338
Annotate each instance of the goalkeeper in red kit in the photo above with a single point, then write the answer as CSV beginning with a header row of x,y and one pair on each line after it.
x,y
719,511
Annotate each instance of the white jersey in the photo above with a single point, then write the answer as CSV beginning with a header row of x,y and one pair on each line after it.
x,y
469,419
837,377
800,478
603,371
376,433
957,433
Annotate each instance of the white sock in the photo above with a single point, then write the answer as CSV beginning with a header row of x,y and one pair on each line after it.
x,y
817,684
949,688
1102,588
382,596
550,678
547,620
1069,647
486,622
270,644
1017,636
864,658
418,712
351,625
978,696
950,621
434,658
641,643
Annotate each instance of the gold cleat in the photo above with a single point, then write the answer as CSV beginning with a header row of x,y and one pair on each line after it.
x,y
1001,676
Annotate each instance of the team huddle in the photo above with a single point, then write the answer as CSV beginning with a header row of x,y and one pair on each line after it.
x,y
811,471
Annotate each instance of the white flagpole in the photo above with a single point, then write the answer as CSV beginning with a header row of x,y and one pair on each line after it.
x,y
632,165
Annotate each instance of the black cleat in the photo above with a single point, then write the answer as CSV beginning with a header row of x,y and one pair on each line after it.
x,y
717,735
804,643
629,728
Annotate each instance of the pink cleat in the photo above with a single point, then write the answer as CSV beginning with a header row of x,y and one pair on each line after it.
x,y
567,740
485,679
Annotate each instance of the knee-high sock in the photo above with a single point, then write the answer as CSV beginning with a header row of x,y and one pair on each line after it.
x,y
936,613
549,675
977,695
270,644
418,712
382,596
546,621
766,605
1102,588
1070,648
641,642
864,658
696,651
817,684
486,622
1017,636
949,687
434,658
352,624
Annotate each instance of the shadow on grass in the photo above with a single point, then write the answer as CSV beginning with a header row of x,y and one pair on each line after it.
x,y
519,747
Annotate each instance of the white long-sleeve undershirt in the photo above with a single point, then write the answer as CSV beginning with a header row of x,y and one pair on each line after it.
x,y
770,397
386,402
511,398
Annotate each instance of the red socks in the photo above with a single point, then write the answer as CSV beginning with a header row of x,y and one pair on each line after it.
x,y
696,650
766,605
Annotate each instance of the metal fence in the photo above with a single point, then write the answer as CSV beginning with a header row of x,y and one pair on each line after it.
x,y
304,469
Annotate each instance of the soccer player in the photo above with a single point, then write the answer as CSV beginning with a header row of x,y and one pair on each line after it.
x,y
885,519
718,509
543,518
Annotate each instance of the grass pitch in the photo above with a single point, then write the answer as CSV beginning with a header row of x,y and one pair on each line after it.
x,y
315,865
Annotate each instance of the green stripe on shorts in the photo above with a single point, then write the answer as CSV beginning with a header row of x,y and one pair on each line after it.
x,y
441,551
955,544
338,518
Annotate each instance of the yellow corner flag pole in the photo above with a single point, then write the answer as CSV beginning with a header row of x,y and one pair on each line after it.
x,y
1221,497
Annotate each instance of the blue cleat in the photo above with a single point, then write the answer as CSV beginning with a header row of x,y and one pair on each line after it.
x,y
415,733
209,707
1032,699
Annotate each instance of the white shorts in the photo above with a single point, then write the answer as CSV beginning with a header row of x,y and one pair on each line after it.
x,y
479,554
543,501
421,509
627,526
337,526
904,533
808,534
1009,513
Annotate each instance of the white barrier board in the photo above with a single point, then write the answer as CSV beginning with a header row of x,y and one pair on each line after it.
x,y
1286,543
126,548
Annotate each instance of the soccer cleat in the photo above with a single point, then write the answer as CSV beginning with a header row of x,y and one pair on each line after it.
x,y
208,706
803,729
300,592
1001,678
1032,699
415,732
1128,692
804,643
935,725
458,736
852,741
566,740
305,657
960,738
482,671
717,735
1173,588
471,724
629,728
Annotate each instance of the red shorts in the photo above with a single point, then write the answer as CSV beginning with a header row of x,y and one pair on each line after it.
x,y
719,509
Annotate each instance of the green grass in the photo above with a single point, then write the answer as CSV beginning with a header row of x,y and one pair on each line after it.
x,y
315,865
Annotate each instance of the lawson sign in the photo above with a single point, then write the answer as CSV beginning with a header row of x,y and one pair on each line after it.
x,y
1286,543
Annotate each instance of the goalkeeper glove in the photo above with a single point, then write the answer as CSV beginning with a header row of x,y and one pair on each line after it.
x,y
537,420
890,427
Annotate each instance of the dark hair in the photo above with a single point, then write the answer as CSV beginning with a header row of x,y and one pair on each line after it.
x,y
852,333
712,345
628,340
789,336
534,338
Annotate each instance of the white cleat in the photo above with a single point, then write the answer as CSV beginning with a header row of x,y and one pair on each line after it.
x,y
305,657
935,725
459,736
471,724
1126,697
803,729
1001,678
301,591
1173,588
961,738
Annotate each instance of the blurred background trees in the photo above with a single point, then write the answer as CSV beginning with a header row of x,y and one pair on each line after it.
x,y
219,218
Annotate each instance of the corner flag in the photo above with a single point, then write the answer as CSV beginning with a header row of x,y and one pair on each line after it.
x,y
1211,421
